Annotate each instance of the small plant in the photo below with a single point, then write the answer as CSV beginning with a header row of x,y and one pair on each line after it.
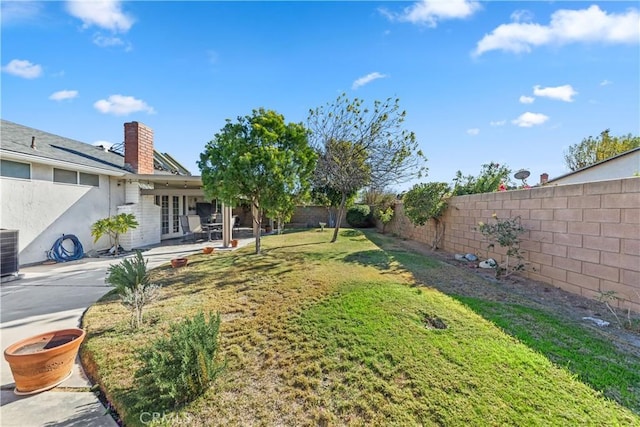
x,y
113,227
132,283
628,323
506,233
178,369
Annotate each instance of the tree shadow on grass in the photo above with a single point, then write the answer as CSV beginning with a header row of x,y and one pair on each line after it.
x,y
371,258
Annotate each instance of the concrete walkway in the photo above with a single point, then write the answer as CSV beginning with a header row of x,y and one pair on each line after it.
x,y
50,297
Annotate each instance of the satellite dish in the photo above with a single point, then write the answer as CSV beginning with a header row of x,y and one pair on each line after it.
x,y
522,174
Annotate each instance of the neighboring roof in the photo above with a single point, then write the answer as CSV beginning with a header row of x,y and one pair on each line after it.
x,y
16,139
626,153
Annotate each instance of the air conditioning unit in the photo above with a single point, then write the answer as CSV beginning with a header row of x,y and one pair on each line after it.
x,y
9,264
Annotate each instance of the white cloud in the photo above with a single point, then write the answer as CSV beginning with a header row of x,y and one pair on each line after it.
x,y
606,82
527,99
473,131
19,11
120,105
522,15
561,93
105,14
498,123
104,144
106,41
23,68
566,26
367,79
429,12
61,95
528,120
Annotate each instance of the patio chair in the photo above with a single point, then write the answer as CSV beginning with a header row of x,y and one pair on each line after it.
x,y
186,230
191,226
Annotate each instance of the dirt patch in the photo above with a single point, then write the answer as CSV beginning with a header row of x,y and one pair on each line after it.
x,y
466,279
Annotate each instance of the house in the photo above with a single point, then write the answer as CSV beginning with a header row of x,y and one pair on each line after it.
x,y
624,165
52,186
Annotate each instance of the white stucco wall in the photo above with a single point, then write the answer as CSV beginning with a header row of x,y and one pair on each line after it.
x,y
147,214
618,168
43,210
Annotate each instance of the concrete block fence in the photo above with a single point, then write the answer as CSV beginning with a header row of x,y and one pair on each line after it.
x,y
583,238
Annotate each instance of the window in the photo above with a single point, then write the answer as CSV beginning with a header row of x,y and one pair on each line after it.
x,y
15,169
72,177
89,179
65,176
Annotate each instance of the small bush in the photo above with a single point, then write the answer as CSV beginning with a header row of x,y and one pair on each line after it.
x,y
360,216
132,283
178,369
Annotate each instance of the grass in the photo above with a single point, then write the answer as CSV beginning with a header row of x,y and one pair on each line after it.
x,y
316,333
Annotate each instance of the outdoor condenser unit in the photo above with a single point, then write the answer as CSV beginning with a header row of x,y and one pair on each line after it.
x,y
8,252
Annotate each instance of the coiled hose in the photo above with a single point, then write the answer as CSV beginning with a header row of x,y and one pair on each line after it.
x,y
59,253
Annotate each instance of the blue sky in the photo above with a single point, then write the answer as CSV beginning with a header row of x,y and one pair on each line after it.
x,y
509,82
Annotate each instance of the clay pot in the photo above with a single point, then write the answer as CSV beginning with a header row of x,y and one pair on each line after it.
x,y
179,262
43,361
208,249
234,243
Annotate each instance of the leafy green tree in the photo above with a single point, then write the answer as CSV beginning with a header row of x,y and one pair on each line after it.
x,y
362,147
259,159
491,175
427,201
113,226
592,150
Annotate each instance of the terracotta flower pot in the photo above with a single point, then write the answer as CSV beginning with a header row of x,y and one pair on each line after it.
x,y
234,243
43,361
208,249
179,262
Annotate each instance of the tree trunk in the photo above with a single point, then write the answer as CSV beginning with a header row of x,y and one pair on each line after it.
x,y
343,202
258,220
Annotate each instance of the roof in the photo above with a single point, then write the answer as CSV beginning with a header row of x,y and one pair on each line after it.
x,y
17,139
597,164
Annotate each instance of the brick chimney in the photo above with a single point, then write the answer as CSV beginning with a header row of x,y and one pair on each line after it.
x,y
138,148
544,178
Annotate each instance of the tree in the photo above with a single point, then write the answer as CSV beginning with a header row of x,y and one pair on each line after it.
x,y
260,159
427,201
592,150
113,226
489,180
362,147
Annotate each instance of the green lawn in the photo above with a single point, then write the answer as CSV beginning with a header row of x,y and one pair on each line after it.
x,y
316,333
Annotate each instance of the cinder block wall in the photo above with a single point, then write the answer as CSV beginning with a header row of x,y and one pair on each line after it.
x,y
583,238
310,216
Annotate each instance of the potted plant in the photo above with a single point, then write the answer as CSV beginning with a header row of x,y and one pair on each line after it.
x,y
234,243
43,361
179,262
208,249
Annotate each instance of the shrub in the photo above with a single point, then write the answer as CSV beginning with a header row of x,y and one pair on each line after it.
x,y
359,216
427,201
178,369
132,283
506,233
